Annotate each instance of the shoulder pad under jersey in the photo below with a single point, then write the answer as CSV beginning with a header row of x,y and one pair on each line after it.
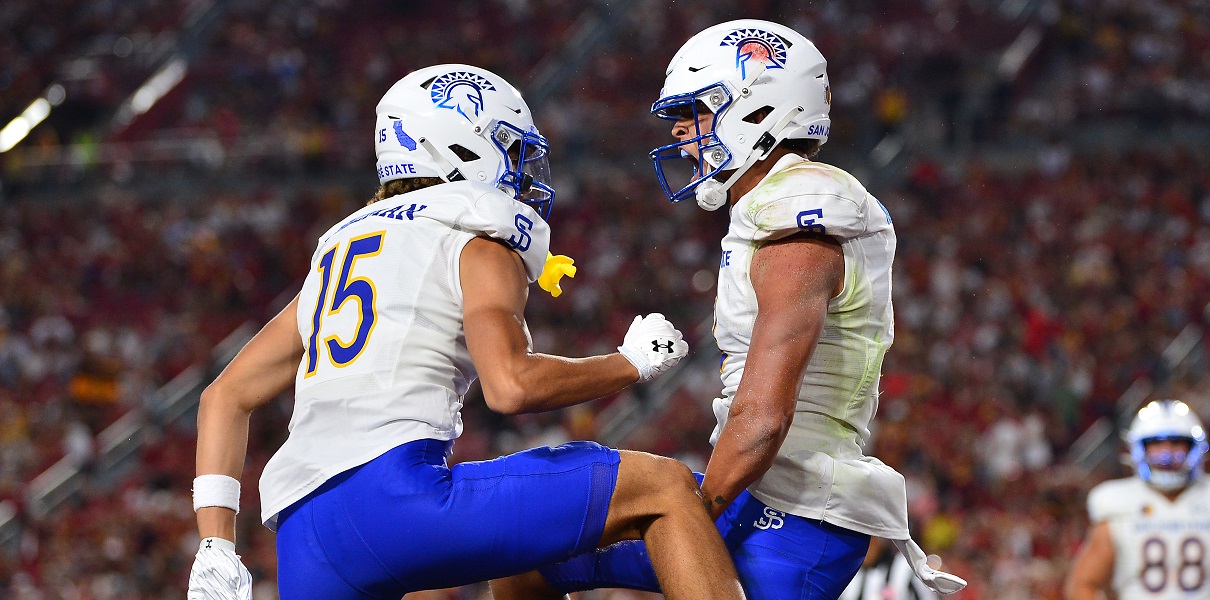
x,y
468,206
807,196
1116,498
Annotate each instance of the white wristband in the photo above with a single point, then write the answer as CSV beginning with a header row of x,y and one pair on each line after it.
x,y
638,360
216,490
217,543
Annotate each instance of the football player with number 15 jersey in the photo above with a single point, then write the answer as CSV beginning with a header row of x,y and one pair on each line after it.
x,y
408,301
1151,532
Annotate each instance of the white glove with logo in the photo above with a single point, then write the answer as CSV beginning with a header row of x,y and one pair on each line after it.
x,y
938,581
653,345
218,573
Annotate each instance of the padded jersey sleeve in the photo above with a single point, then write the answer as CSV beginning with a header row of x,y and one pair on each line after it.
x,y
494,214
1111,499
488,212
473,207
803,198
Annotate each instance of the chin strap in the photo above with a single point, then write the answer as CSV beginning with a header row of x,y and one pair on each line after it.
x,y
1169,481
712,194
451,172
938,581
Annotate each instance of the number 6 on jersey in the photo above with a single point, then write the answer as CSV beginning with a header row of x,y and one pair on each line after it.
x,y
360,289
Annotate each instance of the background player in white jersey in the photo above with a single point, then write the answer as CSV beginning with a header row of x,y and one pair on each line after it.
x,y
409,299
1151,532
803,318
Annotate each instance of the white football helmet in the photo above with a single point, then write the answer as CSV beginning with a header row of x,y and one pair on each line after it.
x,y
1167,420
734,70
460,122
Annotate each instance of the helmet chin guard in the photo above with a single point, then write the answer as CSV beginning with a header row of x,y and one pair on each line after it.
x,y
711,194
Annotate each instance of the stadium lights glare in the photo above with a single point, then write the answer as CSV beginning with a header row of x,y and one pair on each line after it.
x,y
152,91
157,86
18,128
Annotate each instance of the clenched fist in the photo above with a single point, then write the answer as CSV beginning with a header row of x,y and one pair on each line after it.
x,y
218,573
653,345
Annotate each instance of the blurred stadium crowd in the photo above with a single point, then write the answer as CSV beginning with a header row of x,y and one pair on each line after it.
x,y
1052,245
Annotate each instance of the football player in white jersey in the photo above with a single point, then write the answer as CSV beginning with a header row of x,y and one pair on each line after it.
x,y
408,301
1151,532
803,318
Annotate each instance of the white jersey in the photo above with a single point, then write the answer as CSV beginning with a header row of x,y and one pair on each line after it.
x,y
380,316
1159,547
820,471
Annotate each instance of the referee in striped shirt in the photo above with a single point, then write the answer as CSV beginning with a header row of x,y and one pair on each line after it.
x,y
886,575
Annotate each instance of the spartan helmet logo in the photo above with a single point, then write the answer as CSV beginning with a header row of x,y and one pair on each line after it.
x,y
756,46
460,91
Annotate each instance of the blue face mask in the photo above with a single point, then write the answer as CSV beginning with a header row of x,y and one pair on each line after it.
x,y
527,171
1168,470
682,106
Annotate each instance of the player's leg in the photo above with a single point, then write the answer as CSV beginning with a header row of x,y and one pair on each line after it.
x,y
621,565
304,568
655,499
776,556
658,500
527,586
405,522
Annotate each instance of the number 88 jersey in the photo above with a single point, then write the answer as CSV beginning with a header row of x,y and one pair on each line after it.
x,y
1160,546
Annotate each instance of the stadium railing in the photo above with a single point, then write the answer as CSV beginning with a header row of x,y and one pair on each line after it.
x,y
119,443
1100,443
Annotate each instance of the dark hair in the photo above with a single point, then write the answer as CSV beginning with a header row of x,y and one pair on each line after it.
x,y
403,186
806,147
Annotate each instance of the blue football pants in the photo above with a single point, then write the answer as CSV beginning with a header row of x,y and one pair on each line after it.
x,y
405,522
778,557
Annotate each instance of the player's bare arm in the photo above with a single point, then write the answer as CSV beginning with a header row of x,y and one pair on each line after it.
x,y
794,279
259,373
516,380
1093,567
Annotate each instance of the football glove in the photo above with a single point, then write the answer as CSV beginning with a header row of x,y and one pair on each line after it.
x,y
218,574
653,346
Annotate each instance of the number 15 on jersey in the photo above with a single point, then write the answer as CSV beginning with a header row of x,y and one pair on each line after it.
x,y
359,290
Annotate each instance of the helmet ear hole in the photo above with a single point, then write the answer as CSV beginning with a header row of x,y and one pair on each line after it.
x,y
463,153
755,117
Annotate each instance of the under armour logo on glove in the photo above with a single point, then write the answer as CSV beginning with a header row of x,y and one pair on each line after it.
x,y
667,345
656,346
218,573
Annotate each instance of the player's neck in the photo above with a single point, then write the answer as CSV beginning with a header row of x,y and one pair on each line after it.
x,y
755,174
1171,495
